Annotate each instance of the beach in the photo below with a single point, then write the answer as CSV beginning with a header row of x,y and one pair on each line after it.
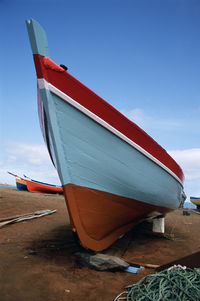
x,y
38,261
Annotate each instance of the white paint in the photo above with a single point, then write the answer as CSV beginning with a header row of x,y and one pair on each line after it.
x,y
43,84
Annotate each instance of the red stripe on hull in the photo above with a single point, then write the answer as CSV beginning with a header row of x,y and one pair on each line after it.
x,y
63,81
101,217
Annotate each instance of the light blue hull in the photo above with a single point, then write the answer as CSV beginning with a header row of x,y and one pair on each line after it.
x,y
89,155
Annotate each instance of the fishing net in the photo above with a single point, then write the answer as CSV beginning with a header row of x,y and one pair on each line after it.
x,y
175,284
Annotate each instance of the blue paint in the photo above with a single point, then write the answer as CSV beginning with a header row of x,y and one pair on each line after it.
x,y
21,186
189,205
89,155
132,270
56,147
37,37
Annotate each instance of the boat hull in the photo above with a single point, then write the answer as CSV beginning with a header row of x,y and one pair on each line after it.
x,y
38,187
21,184
109,186
195,201
100,217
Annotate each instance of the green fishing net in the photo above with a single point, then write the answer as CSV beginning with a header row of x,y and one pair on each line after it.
x,y
174,284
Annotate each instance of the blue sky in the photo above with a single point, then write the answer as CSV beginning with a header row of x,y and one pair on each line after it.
x,y
142,56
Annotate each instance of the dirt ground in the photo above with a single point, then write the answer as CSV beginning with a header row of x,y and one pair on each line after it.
x,y
37,259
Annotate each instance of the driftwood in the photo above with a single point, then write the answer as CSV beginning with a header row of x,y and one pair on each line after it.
x,y
24,217
145,265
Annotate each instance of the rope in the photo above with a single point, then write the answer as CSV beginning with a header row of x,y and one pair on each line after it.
x,y
174,284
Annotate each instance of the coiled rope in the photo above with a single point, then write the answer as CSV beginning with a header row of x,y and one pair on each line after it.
x,y
175,284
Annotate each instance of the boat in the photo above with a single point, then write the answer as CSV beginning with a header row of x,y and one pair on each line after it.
x,y
20,182
41,187
31,185
195,201
114,175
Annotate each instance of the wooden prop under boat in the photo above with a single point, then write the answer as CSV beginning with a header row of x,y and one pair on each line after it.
x,y
113,173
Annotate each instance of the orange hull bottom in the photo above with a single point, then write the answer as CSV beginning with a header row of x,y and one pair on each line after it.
x,y
100,218
42,188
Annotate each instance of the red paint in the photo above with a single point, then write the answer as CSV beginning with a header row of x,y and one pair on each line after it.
x,y
49,64
65,82
42,188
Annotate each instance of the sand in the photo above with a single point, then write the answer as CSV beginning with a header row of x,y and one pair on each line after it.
x,y
37,259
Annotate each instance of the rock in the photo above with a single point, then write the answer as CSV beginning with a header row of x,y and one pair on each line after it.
x,y
101,262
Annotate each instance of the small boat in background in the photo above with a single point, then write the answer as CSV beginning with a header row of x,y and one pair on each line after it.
x,y
41,187
31,185
20,182
195,201
114,175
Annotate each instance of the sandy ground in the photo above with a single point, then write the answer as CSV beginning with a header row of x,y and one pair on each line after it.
x,y
37,259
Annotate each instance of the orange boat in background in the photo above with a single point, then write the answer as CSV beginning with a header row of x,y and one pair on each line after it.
x,y
40,187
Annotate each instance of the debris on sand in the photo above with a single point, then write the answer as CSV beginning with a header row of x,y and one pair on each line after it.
x,y
20,218
101,262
